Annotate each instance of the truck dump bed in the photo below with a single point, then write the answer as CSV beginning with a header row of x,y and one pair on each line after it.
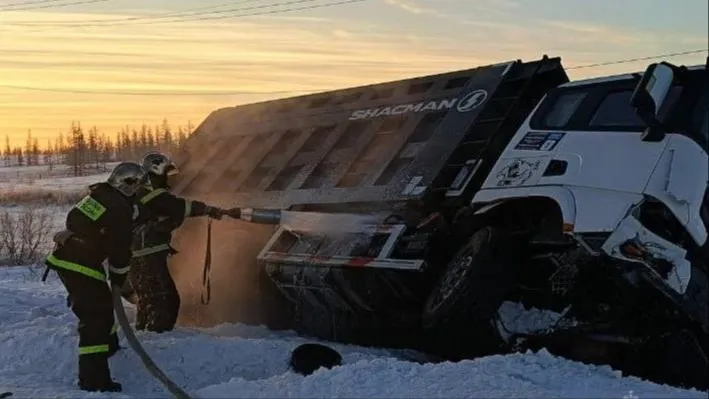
x,y
391,141
428,141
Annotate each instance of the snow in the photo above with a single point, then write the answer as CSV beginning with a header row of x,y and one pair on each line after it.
x,y
38,343
44,192
38,359
37,185
515,319
59,178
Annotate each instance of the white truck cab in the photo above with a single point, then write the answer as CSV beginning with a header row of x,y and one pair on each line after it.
x,y
608,149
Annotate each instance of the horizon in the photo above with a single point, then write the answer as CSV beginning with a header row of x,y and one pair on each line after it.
x,y
60,65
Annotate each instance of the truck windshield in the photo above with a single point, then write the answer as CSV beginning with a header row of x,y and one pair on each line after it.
x,y
610,110
605,107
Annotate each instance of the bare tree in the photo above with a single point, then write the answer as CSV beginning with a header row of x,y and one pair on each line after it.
x,y
77,149
8,151
23,238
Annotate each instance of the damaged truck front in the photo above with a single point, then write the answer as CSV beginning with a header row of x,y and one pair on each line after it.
x,y
485,188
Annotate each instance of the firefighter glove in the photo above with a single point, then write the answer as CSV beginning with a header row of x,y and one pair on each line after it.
x,y
117,279
166,225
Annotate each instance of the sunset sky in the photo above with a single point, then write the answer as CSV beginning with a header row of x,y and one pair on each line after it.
x,y
59,64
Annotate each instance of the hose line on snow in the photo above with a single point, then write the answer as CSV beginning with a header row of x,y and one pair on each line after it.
x,y
138,348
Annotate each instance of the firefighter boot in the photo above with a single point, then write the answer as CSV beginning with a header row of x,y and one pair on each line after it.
x,y
94,374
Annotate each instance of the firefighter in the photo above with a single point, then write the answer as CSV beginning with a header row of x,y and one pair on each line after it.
x,y
158,302
98,228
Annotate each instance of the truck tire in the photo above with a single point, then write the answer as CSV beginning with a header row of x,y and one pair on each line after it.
x,y
465,299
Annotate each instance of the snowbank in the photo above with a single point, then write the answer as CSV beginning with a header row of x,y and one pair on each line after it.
x,y
38,359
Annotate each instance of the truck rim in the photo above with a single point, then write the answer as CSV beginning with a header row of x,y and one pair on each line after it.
x,y
453,279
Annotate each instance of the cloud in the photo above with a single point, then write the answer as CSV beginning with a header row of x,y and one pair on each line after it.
x,y
410,6
283,53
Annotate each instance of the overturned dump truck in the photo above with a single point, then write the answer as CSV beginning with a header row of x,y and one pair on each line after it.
x,y
500,183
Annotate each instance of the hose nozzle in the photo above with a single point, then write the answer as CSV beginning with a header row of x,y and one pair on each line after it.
x,y
262,216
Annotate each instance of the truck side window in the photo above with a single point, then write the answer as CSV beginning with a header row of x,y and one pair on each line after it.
x,y
563,108
615,109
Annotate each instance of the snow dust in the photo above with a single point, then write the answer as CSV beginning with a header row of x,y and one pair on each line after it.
x,y
233,270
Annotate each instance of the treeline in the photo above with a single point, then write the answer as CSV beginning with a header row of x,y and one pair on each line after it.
x,y
83,148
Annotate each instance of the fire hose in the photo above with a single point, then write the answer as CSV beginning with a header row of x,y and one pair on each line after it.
x,y
133,342
249,215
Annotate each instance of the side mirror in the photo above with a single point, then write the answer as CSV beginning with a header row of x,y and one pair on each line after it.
x,y
649,95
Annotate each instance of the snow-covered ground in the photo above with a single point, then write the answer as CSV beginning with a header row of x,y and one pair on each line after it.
x,y
44,192
60,177
38,360
39,184
38,343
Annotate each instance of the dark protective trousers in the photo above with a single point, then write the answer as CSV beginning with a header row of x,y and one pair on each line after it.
x,y
90,300
158,300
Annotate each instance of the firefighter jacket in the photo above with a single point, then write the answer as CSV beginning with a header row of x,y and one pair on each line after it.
x,y
98,227
160,212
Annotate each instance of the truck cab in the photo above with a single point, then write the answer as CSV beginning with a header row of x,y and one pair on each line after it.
x,y
613,171
612,151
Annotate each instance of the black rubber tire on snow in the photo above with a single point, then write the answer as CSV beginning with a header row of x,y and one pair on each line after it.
x,y
465,300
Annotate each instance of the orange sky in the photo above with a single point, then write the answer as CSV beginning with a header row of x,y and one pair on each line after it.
x,y
293,52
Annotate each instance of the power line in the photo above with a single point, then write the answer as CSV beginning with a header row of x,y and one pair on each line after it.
x,y
155,93
30,7
241,93
144,17
150,18
173,13
625,61
26,3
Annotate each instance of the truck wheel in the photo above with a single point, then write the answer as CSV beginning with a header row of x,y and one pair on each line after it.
x,y
474,284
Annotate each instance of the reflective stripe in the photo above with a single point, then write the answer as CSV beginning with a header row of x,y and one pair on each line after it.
x,y
114,329
122,270
90,207
150,250
87,271
188,208
147,197
88,350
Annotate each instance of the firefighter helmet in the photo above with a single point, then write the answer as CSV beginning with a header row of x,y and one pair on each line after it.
x,y
127,177
159,164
